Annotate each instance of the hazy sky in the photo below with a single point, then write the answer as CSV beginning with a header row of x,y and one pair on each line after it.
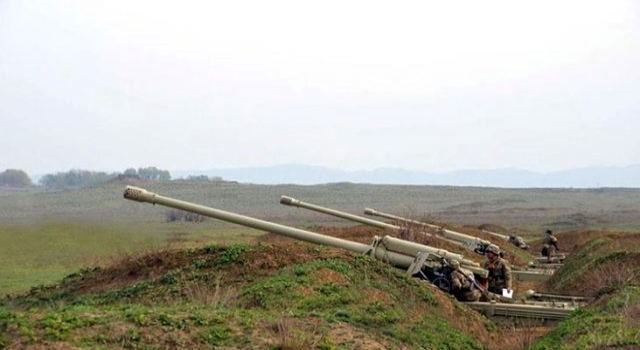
x,y
355,85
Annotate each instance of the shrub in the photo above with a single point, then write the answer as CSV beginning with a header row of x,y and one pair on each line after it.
x,y
181,215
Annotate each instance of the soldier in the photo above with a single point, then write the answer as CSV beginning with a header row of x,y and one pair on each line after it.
x,y
499,271
550,245
518,241
461,283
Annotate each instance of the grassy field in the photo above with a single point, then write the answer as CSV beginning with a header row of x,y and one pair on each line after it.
x,y
45,235
46,251
532,208
88,269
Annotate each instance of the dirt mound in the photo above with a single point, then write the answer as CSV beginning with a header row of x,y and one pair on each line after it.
x,y
364,234
154,265
570,241
600,261
267,295
282,293
129,270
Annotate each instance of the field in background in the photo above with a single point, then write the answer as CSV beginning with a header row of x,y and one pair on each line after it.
x,y
45,235
47,251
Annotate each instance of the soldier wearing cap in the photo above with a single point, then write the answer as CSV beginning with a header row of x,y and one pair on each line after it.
x,y
550,245
499,271
461,283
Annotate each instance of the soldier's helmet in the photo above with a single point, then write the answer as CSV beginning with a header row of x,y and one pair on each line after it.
x,y
549,232
455,264
493,249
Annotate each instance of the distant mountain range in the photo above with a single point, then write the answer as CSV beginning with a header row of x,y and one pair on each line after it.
x,y
593,177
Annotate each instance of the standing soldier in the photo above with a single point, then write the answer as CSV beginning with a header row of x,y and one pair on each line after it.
x,y
462,286
550,245
499,271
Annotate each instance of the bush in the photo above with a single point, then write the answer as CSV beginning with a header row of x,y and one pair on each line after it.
x,y
181,215
76,178
14,178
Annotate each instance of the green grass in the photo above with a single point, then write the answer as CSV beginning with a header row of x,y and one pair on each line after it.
x,y
303,306
47,251
607,268
599,266
614,325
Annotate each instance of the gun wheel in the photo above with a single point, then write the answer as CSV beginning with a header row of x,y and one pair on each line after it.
x,y
442,283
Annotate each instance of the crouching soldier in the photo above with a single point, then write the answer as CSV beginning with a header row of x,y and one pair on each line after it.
x,y
499,271
518,241
550,245
461,283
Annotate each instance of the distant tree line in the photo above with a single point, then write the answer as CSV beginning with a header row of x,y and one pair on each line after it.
x,y
148,173
204,178
15,178
76,178
84,178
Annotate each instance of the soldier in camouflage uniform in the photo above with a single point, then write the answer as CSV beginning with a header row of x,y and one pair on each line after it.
x,y
499,271
518,241
461,283
550,245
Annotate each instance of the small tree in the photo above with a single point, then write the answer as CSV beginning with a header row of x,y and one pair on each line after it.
x,y
153,173
131,172
15,178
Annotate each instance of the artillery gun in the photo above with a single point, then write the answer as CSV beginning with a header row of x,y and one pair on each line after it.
x,y
528,274
533,295
417,260
472,243
545,265
476,244
479,245
286,200
553,260
512,238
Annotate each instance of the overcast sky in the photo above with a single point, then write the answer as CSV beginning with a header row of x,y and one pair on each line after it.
x,y
353,85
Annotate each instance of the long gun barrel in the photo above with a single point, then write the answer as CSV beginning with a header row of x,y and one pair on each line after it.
x,y
369,211
478,245
497,235
474,243
512,238
298,203
286,200
397,252
142,195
